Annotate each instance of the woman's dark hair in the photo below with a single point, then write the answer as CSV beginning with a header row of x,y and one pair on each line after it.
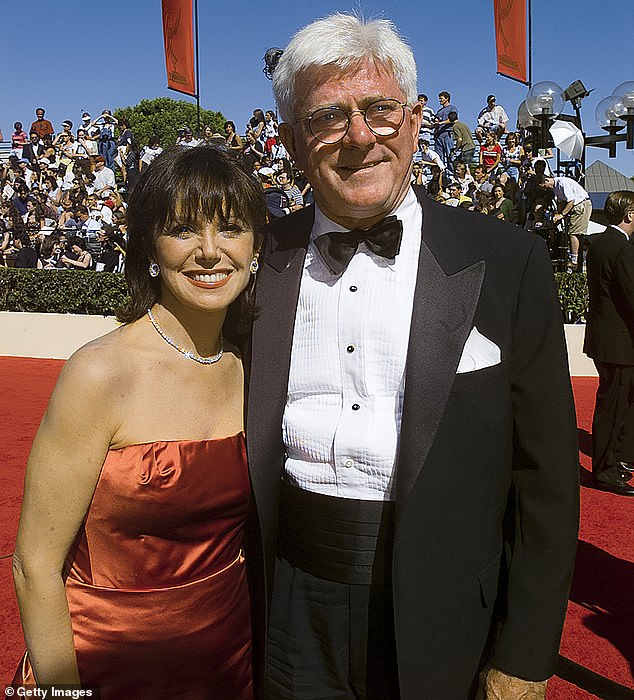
x,y
79,242
193,184
47,246
229,123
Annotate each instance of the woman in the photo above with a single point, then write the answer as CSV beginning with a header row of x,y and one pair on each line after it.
x,y
33,219
132,167
154,498
253,151
257,124
502,207
89,145
54,191
490,153
82,259
49,253
232,139
513,156
270,131
149,152
19,139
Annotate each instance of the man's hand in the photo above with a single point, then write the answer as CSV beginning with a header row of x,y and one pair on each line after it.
x,y
497,685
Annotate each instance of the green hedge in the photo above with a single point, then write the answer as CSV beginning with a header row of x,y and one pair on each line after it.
x,y
573,296
100,293
62,291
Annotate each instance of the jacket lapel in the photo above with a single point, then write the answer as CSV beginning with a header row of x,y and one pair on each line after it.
x,y
442,318
277,293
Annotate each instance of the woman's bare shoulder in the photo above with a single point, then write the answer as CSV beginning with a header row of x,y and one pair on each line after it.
x,y
105,361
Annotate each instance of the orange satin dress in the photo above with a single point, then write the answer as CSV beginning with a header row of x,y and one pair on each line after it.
x,y
156,581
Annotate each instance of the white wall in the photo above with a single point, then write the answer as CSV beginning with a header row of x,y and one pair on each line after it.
x,y
49,335
59,335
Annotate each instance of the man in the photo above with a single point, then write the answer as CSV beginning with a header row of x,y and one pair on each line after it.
x,y
492,118
574,206
104,177
186,138
42,127
443,136
90,130
609,342
26,256
415,405
463,141
32,151
456,198
483,185
428,119
427,156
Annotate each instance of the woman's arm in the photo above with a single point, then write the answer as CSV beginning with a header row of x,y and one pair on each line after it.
x,y
84,262
237,141
61,475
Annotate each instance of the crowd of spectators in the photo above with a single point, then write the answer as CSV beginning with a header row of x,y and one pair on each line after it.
x,y
63,194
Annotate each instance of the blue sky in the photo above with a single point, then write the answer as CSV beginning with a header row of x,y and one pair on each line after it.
x,y
70,56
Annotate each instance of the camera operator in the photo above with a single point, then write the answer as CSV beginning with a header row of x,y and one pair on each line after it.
x,y
573,208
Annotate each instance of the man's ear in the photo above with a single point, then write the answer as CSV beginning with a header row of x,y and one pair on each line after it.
x,y
415,122
288,138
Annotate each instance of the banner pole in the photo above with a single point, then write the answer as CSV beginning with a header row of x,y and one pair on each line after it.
x,y
530,43
198,70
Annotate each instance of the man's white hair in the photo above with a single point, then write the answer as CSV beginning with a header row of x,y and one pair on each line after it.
x,y
343,41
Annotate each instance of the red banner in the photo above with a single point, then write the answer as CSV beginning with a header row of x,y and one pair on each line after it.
x,y
510,38
178,36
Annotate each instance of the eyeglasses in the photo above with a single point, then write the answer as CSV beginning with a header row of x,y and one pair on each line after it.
x,y
330,124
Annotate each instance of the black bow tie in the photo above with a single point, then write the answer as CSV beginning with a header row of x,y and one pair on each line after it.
x,y
338,247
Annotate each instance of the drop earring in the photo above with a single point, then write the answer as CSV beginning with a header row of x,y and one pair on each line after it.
x,y
154,269
254,266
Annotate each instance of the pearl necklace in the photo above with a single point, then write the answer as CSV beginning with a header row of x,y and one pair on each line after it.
x,y
187,353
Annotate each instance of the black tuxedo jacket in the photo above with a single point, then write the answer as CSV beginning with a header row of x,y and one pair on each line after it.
x,y
487,493
30,152
610,323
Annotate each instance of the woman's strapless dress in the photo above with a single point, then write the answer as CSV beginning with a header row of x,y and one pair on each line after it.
x,y
156,581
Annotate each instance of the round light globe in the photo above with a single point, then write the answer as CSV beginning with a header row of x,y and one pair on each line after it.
x,y
609,110
545,98
524,119
626,92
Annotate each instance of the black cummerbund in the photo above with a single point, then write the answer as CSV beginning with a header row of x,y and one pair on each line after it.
x,y
338,539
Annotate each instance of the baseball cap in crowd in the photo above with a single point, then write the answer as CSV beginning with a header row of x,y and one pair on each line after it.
x,y
85,116
68,123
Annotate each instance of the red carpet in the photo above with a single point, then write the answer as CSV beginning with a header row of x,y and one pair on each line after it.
x,y
599,631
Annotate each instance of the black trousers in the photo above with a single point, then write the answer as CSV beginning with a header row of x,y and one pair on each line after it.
x,y
613,421
331,630
329,640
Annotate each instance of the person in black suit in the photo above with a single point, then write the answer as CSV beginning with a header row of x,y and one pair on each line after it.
x,y
32,150
410,426
609,341
26,256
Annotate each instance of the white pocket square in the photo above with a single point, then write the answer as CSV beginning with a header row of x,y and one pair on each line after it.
x,y
478,352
